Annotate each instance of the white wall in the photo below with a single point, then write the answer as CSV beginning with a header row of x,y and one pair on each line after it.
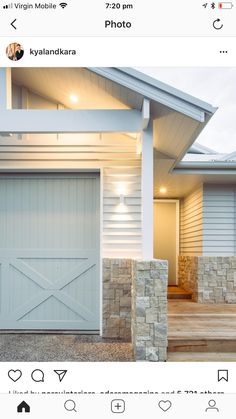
x,y
122,230
191,223
208,221
219,222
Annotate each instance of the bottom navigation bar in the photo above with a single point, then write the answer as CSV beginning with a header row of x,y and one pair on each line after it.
x,y
127,406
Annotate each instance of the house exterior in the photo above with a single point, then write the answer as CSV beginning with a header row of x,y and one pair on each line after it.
x,y
208,214
84,154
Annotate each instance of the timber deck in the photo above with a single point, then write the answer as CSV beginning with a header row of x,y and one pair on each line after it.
x,y
194,329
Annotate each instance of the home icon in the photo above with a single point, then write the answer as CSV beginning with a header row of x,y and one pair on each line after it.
x,y
23,408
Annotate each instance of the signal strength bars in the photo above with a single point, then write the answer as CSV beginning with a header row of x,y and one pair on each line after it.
x,y
8,6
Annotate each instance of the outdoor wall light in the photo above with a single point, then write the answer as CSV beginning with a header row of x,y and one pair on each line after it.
x,y
74,98
163,190
121,188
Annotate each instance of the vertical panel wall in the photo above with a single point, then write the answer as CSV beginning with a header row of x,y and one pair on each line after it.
x,y
219,225
191,223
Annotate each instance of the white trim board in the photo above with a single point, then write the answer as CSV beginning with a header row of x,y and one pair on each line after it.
x,y
69,121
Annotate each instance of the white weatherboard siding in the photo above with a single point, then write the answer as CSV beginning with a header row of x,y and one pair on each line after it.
x,y
191,223
219,212
122,231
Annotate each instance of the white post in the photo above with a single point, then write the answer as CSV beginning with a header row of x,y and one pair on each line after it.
x,y
5,88
147,191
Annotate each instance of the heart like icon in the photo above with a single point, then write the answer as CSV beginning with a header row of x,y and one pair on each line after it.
x,y
165,405
14,375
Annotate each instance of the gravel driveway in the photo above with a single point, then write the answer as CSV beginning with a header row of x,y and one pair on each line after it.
x,y
62,348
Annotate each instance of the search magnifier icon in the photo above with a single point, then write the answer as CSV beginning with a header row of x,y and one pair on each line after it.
x,y
70,406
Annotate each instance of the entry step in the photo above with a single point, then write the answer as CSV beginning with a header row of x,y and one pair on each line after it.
x,y
177,293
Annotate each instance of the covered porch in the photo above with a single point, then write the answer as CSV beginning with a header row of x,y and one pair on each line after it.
x,y
87,145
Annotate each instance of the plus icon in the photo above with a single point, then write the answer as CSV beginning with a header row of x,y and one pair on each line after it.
x,y
118,406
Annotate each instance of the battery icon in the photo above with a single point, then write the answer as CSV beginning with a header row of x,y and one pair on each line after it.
x,y
226,5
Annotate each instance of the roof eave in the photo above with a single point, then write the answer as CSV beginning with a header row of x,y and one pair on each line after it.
x,y
205,168
157,91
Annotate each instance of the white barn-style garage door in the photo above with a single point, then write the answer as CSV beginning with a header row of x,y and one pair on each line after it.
x,y
49,252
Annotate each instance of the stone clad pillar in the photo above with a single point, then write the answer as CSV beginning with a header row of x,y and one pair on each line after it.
x,y
149,310
117,276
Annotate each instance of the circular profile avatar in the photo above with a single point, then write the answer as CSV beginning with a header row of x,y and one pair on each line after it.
x,y
15,51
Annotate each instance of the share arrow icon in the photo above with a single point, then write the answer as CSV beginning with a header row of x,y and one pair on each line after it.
x,y
61,374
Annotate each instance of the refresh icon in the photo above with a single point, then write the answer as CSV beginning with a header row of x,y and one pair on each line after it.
x,y
217,24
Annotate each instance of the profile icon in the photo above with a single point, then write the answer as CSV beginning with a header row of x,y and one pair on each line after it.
x,y
212,406
15,51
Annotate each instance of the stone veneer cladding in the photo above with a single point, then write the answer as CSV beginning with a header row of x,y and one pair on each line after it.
x,y
135,299
188,272
149,310
117,278
212,279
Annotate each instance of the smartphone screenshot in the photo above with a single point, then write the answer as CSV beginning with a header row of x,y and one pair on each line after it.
x,y
117,209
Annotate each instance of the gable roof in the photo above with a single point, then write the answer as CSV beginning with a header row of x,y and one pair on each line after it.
x,y
155,90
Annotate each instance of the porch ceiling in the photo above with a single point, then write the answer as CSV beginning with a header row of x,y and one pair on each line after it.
x,y
178,118
179,185
93,91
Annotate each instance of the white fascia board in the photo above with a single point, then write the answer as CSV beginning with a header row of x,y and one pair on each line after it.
x,y
69,121
216,167
146,113
206,171
155,91
205,164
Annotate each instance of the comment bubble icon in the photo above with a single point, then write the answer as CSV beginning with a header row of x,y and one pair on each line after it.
x,y
38,376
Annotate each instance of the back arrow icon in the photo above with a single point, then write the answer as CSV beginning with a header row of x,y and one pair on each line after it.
x,y
12,23
216,24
